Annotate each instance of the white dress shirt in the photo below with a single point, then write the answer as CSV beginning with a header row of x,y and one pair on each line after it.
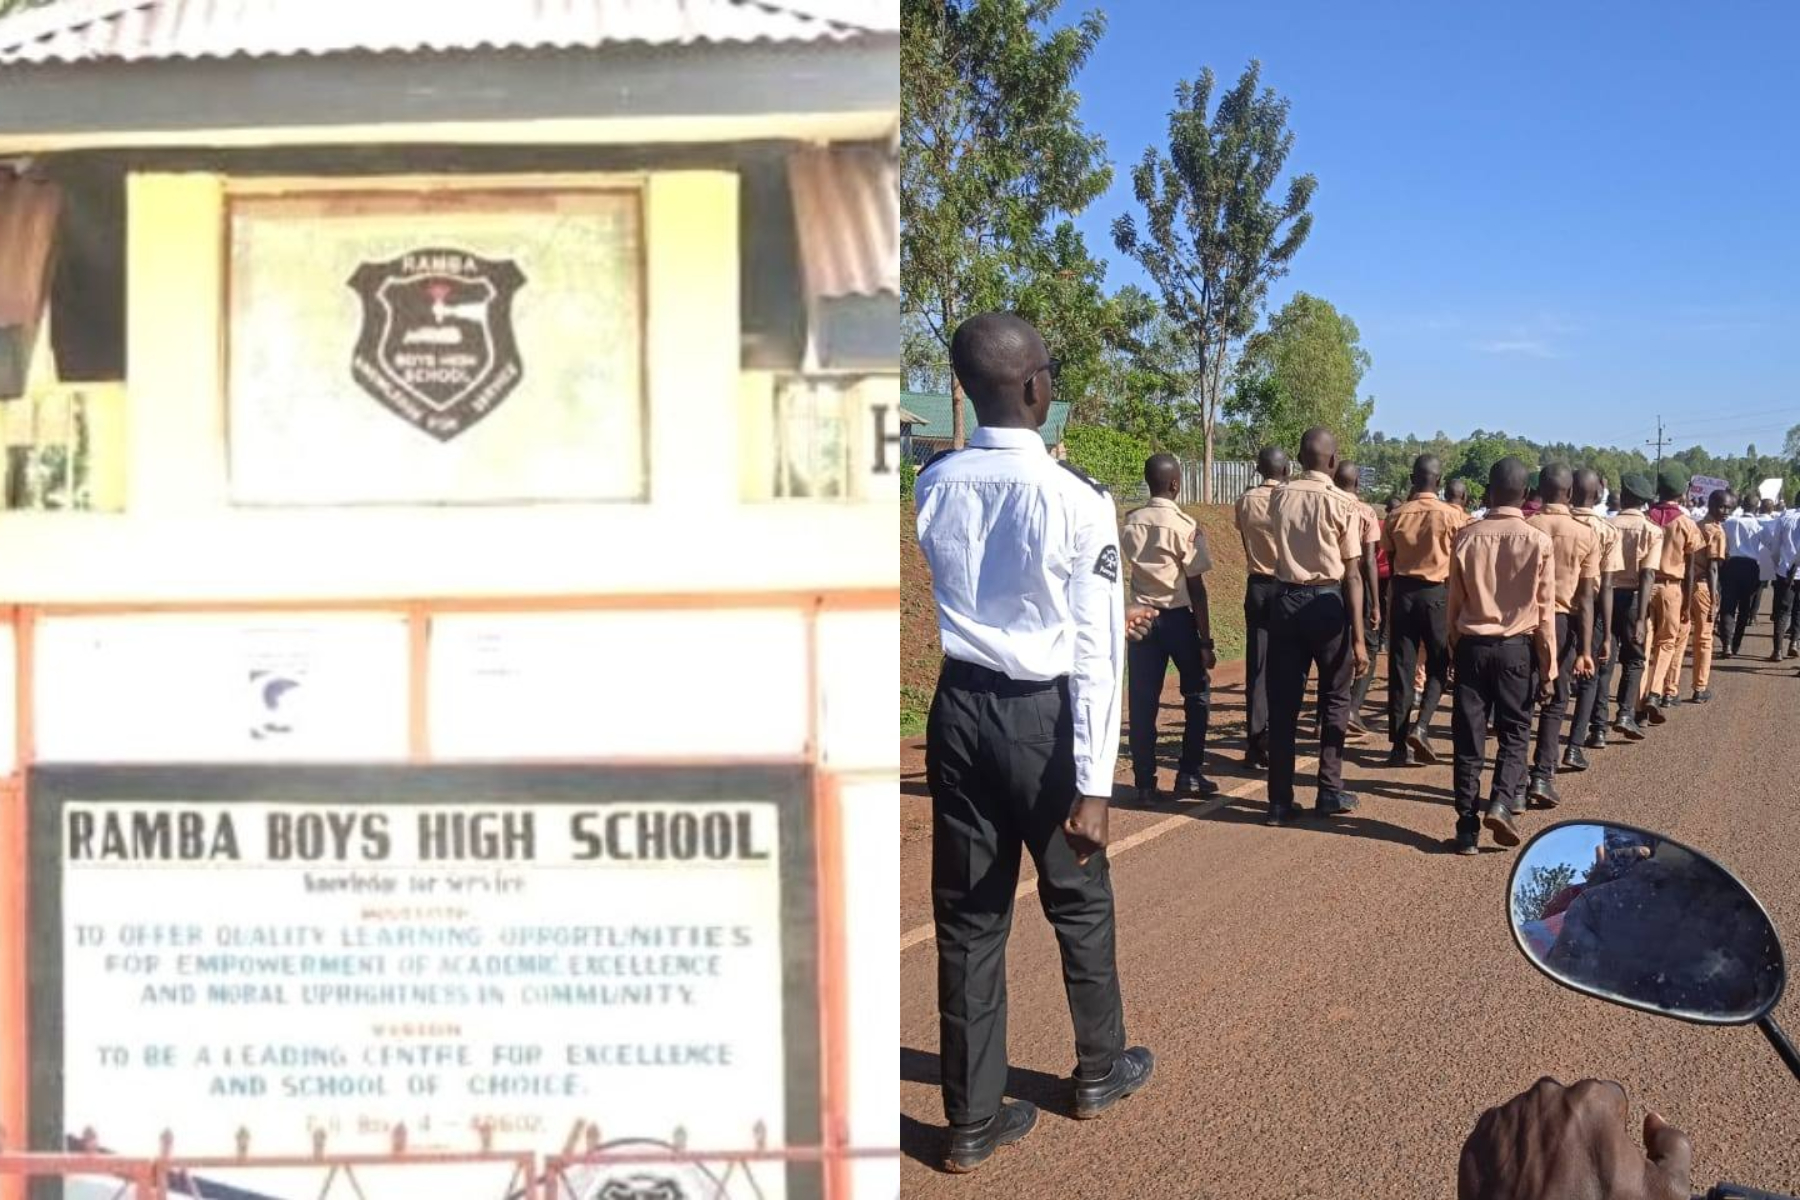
x,y
1783,532
1025,569
1743,533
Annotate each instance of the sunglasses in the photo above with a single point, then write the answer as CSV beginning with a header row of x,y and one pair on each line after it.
x,y
1054,366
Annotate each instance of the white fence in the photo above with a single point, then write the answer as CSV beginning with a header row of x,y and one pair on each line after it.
x,y
1230,480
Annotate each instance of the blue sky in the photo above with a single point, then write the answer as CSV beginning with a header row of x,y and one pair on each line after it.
x,y
1556,219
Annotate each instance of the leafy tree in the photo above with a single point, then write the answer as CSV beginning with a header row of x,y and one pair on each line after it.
x,y
1213,239
1540,887
1300,372
1115,459
1790,446
9,7
994,160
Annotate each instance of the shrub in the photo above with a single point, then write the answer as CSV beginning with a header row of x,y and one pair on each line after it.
x,y
1115,459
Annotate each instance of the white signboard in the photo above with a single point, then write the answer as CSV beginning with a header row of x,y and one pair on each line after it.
x,y
209,689
1702,486
1769,489
347,968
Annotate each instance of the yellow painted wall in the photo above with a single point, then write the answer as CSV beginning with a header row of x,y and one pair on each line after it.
x,y
180,539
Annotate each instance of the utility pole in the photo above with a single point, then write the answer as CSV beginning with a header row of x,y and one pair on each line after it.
x,y
1659,443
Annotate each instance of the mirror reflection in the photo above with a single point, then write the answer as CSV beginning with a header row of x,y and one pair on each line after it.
x,y
1630,916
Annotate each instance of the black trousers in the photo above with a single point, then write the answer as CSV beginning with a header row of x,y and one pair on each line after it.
x,y
1786,613
1628,648
1417,623
1493,684
1740,581
1172,637
1591,693
1360,684
1000,761
1550,716
1307,627
1259,598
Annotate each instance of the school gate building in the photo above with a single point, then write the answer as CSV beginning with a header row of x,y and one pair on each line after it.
x,y
449,581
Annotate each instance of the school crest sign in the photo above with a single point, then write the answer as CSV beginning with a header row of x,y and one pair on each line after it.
x,y
437,346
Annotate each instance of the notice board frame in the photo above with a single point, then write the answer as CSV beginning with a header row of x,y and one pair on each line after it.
x,y
790,787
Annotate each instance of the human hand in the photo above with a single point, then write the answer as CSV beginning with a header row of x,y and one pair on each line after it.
x,y
1359,655
1546,692
1584,666
1085,830
1138,620
1571,1142
1208,659
1605,654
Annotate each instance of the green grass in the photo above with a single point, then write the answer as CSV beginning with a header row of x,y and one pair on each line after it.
x,y
915,705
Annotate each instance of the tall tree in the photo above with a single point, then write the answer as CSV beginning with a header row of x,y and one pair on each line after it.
x,y
1302,371
1790,446
1214,237
994,160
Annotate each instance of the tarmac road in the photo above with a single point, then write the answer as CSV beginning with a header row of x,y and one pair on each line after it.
x,y
1333,1005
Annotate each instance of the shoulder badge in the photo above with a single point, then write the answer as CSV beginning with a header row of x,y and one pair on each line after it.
x,y
940,456
1082,475
1107,565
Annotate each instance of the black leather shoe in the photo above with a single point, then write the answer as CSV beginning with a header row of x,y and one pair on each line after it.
x,y
1150,796
1500,823
1727,654
1334,804
1628,726
1671,700
972,1145
1573,759
1654,715
1281,817
1192,783
1793,651
1130,1072
1467,849
1700,697
1542,793
1596,739
1401,755
1420,742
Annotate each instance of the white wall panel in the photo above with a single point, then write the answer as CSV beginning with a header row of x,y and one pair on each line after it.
x,y
211,689
871,824
690,684
859,689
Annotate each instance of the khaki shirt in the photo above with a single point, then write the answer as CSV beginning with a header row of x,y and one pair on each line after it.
x,y
1611,560
1712,548
1640,546
1254,527
1371,525
1418,537
1164,547
1503,582
1681,537
1317,529
1577,550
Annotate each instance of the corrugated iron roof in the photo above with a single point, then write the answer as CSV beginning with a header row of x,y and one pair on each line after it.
x,y
935,408
86,31
847,212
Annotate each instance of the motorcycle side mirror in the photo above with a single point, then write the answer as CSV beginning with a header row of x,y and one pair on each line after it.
x,y
1632,918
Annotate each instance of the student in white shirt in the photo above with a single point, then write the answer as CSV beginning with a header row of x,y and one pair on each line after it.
x,y
1023,735
1740,577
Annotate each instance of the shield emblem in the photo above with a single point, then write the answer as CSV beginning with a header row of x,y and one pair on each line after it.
x,y
437,346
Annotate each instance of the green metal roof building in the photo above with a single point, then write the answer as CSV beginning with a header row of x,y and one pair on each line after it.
x,y
934,425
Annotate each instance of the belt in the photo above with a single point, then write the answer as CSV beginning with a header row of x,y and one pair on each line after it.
x,y
976,678
1492,639
1260,577
1419,581
1327,585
